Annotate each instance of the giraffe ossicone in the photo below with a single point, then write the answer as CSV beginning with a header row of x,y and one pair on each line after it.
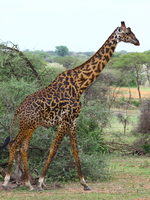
x,y
59,104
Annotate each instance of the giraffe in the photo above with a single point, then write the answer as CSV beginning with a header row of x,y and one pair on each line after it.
x,y
59,104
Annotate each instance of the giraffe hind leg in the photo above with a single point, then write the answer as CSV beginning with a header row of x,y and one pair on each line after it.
x,y
24,155
13,146
23,139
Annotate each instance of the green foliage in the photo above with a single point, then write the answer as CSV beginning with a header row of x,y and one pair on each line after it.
x,y
130,65
12,93
50,72
136,103
14,65
129,60
68,62
90,125
144,119
146,147
61,50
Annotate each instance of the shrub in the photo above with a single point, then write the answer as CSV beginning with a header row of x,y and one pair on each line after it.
x,y
136,103
146,147
12,93
50,72
144,119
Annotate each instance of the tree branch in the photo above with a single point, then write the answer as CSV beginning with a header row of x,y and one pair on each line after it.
x,y
15,48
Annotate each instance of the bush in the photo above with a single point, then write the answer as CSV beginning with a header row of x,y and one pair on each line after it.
x,y
90,126
136,103
50,72
68,62
12,93
146,147
14,63
144,120
143,143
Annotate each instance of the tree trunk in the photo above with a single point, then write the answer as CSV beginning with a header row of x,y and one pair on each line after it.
x,y
138,82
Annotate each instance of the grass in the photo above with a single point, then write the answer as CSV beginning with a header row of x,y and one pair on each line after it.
x,y
129,181
145,89
116,131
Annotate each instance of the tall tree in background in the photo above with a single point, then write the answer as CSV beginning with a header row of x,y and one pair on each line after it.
x,y
132,66
61,50
147,65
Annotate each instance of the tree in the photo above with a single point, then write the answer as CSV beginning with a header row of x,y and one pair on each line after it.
x,y
14,62
124,120
68,62
144,118
61,50
147,65
132,68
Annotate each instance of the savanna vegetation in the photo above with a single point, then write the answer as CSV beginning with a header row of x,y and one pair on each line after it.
x,y
114,123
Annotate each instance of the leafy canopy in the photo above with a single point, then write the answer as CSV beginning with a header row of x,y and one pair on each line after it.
x,y
61,50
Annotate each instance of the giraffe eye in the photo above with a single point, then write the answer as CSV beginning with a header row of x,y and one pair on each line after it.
x,y
127,33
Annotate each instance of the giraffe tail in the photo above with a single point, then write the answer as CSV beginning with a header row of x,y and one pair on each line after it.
x,y
7,140
14,119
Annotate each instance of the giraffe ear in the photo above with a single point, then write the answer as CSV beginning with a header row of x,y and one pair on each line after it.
x,y
123,24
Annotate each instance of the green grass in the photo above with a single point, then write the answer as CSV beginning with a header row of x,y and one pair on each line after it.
x,y
129,180
135,165
144,88
115,132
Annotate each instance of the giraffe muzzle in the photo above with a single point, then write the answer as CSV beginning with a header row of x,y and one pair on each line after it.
x,y
137,43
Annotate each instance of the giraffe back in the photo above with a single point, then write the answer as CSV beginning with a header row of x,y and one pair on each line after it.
x,y
51,105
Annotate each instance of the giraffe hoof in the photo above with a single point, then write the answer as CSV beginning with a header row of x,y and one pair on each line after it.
x,y
87,189
32,190
5,187
40,190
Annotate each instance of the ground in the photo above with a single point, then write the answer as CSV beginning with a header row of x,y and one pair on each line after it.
x,y
126,92
130,180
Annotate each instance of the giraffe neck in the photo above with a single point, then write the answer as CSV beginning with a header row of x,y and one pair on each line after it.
x,y
87,72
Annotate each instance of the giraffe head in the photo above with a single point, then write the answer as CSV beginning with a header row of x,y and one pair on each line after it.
x,y
126,35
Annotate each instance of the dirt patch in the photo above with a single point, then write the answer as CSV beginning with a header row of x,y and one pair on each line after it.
x,y
132,93
145,198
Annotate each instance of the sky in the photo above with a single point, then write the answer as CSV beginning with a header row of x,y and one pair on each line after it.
x,y
81,25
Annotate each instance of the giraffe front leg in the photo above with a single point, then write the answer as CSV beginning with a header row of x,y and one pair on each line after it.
x,y
73,141
59,137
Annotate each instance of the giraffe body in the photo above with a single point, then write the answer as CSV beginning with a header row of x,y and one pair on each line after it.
x,y
59,104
